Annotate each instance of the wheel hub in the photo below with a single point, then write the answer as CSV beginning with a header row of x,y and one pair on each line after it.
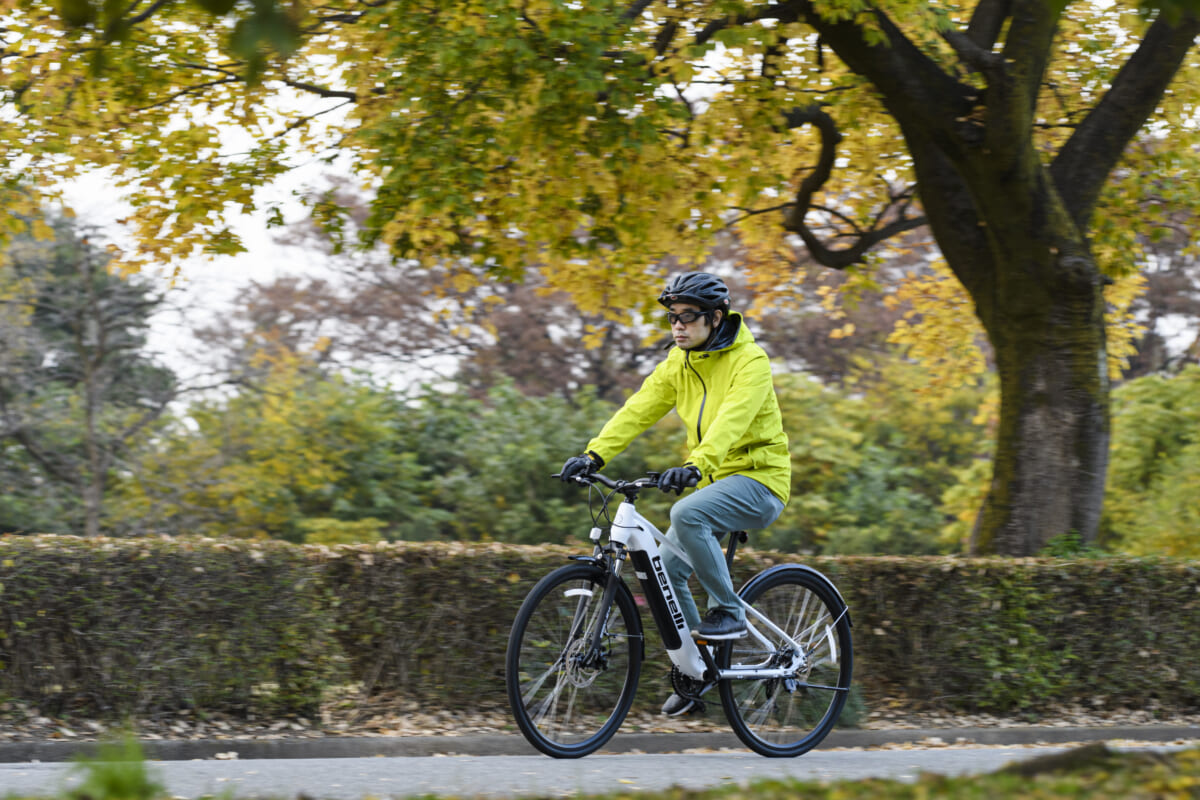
x,y
582,670
798,663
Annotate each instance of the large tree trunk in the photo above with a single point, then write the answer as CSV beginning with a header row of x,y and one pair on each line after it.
x,y
1043,310
1052,452
1007,235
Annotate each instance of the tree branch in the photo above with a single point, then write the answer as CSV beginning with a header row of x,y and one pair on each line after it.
x,y
1014,97
142,421
956,225
300,122
53,466
199,87
320,91
796,211
986,22
665,35
149,12
830,138
1085,161
977,58
784,12
635,10
916,91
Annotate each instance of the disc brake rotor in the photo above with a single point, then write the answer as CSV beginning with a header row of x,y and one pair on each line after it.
x,y
578,674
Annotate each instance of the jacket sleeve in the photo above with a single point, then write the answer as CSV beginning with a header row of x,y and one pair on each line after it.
x,y
644,407
748,389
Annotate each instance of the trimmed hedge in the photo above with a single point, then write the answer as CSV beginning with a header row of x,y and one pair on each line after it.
x,y
118,626
432,620
1002,635
121,626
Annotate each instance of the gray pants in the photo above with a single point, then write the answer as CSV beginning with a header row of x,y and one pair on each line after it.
x,y
732,504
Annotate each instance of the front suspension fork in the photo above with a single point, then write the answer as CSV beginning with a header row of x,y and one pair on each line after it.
x,y
606,600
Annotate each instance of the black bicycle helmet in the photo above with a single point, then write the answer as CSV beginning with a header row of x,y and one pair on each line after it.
x,y
700,288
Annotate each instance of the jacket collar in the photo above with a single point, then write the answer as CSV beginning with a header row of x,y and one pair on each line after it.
x,y
726,335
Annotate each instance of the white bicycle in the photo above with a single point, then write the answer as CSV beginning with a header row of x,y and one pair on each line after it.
x,y
576,647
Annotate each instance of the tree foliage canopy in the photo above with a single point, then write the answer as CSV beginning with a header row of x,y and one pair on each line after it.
x,y
473,124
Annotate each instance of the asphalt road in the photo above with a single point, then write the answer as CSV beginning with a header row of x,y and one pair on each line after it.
x,y
523,775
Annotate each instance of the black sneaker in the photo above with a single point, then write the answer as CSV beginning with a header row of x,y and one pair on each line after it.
x,y
719,625
686,697
677,706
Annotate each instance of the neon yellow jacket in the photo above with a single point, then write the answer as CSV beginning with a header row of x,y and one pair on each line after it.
x,y
727,401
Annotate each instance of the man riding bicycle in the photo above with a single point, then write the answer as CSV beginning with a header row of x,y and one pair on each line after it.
x,y
719,381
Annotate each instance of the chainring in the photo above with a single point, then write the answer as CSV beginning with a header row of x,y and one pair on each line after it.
x,y
689,688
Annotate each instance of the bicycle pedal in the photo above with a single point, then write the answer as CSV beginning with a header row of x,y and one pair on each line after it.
x,y
708,641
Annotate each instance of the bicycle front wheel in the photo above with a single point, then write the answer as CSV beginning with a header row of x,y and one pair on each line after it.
x,y
568,696
788,716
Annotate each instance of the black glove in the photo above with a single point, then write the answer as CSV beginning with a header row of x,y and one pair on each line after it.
x,y
676,479
584,464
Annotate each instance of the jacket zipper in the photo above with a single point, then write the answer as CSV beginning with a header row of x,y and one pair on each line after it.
x,y
703,397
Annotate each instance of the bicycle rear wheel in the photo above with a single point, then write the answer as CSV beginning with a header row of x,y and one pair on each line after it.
x,y
789,716
567,700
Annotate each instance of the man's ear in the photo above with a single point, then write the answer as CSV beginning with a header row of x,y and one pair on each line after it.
x,y
718,318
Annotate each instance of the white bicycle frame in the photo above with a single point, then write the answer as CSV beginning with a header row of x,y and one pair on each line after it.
x,y
636,533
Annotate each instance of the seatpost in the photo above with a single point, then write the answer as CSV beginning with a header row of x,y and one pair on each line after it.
x,y
735,538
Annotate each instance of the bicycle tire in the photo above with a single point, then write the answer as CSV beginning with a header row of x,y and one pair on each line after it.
x,y
564,707
780,717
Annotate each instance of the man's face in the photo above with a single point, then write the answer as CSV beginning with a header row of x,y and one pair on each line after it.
x,y
689,335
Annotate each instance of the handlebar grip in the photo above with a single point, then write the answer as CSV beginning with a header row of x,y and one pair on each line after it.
x,y
677,485
586,479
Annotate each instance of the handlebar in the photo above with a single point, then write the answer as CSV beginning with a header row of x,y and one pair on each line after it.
x,y
625,487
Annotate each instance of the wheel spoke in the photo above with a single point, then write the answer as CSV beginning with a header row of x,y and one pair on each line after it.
x,y
535,685
542,712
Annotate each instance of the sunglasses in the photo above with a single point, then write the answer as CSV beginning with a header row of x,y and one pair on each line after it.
x,y
686,317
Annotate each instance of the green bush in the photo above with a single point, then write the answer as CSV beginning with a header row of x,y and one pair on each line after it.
x,y
307,454
124,626
984,635
1005,635
118,771
431,620
146,625
1152,504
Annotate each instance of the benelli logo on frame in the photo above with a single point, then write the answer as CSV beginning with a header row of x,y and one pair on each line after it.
x,y
664,583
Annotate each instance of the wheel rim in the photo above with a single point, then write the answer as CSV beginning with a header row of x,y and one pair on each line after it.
x,y
784,714
568,695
